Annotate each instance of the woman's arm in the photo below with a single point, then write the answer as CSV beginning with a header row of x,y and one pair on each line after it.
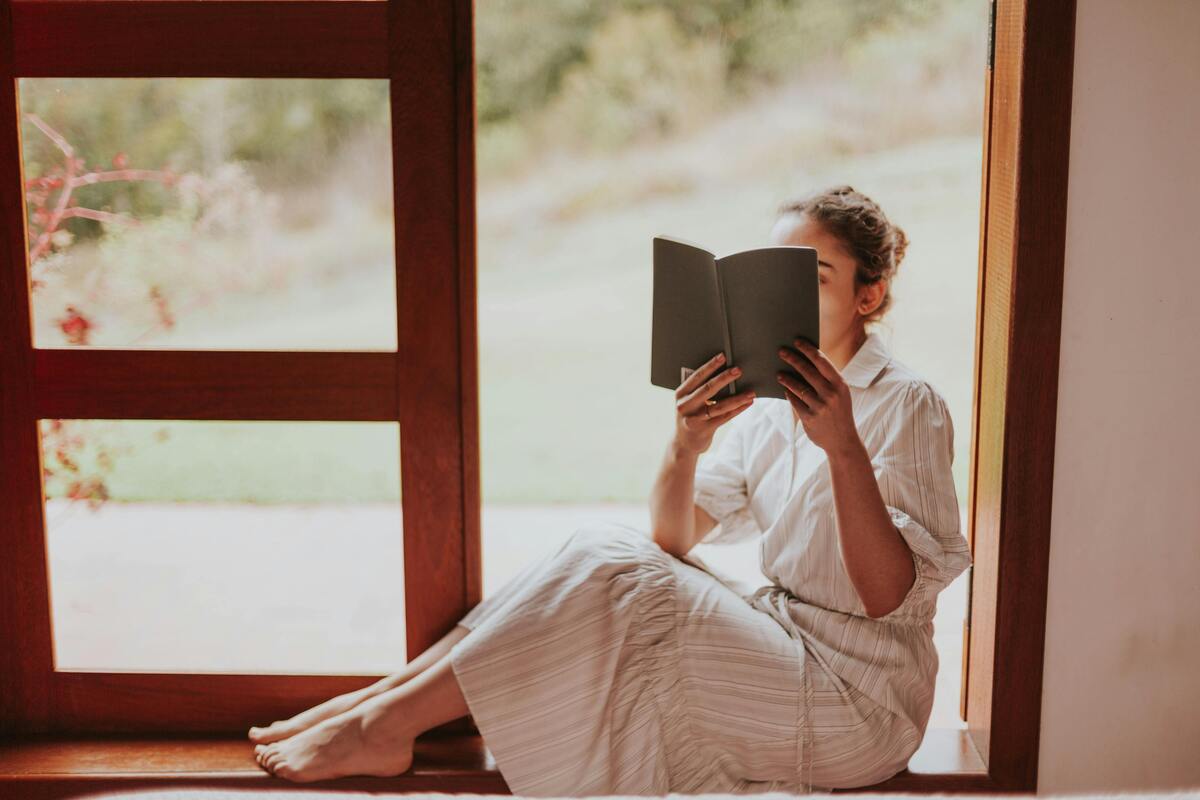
x,y
877,559
674,520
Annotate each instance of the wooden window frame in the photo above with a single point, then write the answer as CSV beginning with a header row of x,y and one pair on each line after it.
x,y
1023,218
426,49
427,385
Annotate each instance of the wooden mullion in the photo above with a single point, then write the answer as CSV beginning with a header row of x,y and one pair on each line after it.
x,y
92,383
26,652
464,32
211,38
431,388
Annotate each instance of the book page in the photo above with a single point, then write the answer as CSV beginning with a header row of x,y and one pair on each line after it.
x,y
771,297
688,327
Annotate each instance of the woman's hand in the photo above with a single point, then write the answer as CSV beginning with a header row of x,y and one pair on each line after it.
x,y
824,405
695,419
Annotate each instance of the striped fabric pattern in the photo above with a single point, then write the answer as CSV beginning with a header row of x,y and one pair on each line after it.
x,y
609,667
765,479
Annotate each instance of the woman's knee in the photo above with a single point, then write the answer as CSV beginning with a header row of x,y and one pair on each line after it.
x,y
609,543
610,535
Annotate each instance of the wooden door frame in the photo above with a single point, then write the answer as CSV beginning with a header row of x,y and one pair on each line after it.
x,y
427,385
1023,221
1022,241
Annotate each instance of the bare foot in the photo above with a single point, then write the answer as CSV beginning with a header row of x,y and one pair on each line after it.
x,y
346,744
306,719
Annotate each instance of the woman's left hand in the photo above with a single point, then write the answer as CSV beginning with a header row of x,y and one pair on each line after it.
x,y
827,415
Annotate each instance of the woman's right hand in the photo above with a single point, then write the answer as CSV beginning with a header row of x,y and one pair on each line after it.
x,y
695,420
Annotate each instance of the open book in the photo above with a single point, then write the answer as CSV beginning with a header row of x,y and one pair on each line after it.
x,y
746,305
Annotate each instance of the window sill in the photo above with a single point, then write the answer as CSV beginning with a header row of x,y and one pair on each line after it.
x,y
47,768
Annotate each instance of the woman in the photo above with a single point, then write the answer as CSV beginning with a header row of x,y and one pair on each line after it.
x,y
620,664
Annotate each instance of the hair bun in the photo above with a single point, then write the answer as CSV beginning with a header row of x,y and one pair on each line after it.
x,y
857,221
900,246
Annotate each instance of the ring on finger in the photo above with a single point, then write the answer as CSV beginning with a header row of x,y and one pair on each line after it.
x,y
799,390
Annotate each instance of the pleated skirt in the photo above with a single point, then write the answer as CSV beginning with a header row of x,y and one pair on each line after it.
x,y
609,666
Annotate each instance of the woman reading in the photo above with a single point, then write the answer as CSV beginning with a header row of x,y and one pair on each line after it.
x,y
622,664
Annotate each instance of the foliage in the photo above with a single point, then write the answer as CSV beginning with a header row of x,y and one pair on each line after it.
x,y
642,77
50,198
582,77
281,130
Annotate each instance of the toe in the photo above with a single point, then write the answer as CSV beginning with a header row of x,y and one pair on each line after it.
x,y
265,734
286,771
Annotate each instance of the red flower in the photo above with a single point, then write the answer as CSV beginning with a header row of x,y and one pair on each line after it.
x,y
76,326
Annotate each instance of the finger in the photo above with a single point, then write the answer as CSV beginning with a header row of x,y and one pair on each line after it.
x,y
805,367
723,406
818,359
703,413
802,394
805,413
712,386
709,416
721,419
700,375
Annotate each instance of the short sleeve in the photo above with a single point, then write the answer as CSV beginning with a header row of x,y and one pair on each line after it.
x,y
721,488
917,484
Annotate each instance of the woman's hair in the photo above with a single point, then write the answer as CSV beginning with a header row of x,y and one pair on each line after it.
x,y
877,244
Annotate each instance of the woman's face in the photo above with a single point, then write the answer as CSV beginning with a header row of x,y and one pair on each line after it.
x,y
841,305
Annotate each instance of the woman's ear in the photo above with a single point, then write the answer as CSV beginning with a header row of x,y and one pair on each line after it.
x,y
870,296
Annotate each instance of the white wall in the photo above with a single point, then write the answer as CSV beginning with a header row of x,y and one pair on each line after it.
x,y
1121,698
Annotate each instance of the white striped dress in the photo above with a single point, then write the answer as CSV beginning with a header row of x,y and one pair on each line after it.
x,y
611,667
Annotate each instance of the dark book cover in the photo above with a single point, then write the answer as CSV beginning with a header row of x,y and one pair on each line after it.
x,y
745,304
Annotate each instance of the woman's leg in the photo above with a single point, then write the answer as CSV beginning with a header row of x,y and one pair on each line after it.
x,y
374,737
563,676
344,702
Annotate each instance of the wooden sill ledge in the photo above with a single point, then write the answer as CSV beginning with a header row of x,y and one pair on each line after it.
x,y
50,768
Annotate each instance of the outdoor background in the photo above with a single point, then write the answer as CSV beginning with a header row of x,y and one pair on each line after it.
x,y
257,214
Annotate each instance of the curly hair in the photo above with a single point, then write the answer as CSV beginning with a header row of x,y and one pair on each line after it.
x,y
877,244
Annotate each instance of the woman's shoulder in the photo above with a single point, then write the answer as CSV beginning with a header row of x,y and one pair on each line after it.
x,y
907,406
900,382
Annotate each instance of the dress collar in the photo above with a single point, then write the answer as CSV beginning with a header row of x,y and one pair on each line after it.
x,y
860,372
867,362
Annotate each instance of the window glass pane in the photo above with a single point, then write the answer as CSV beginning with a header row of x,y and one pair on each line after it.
x,y
602,127
202,546
209,213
